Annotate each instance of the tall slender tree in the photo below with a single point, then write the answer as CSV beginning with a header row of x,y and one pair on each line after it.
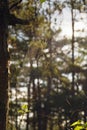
x,y
3,62
73,40
6,19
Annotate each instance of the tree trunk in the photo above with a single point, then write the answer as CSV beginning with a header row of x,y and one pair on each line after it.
x,y
47,105
5,19
73,40
3,64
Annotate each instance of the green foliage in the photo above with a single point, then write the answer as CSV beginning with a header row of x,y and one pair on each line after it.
x,y
79,125
76,123
42,1
23,110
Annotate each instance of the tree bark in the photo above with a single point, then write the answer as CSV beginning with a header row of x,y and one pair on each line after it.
x,y
5,19
73,40
3,64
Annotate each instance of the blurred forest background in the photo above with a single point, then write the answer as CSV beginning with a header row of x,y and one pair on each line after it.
x,y
48,65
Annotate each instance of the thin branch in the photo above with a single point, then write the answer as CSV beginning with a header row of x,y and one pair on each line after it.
x,y
13,20
15,4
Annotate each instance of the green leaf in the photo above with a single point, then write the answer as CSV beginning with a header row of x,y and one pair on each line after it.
x,y
24,107
42,1
78,128
20,111
76,123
